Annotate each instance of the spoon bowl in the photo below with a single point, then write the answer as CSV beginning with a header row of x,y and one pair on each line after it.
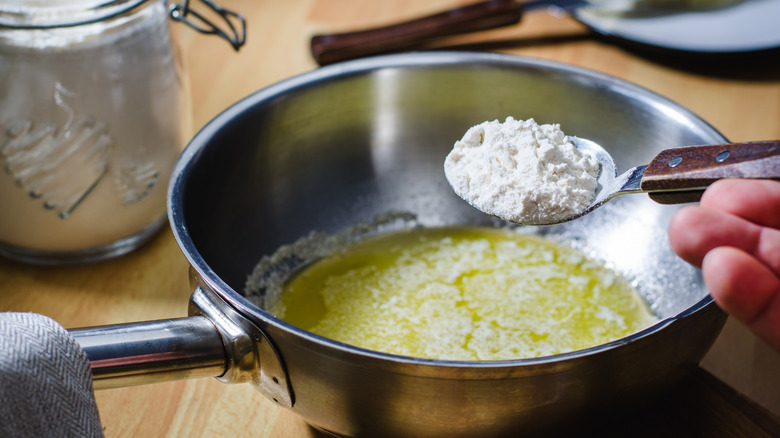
x,y
610,184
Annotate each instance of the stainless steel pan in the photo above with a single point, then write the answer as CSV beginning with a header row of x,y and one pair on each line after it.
x,y
342,144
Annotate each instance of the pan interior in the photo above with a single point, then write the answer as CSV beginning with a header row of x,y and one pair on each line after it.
x,y
347,145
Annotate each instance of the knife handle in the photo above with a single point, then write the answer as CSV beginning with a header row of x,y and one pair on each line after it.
x,y
681,174
331,48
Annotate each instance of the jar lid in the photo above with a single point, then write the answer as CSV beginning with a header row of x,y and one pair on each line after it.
x,y
43,14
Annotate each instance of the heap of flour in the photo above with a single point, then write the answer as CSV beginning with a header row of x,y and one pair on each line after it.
x,y
522,172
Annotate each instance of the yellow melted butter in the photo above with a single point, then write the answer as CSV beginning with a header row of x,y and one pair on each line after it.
x,y
463,293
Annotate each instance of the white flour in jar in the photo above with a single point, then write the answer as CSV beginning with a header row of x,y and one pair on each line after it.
x,y
522,172
92,119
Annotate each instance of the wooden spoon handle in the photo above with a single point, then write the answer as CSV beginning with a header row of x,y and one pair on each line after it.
x,y
328,49
693,168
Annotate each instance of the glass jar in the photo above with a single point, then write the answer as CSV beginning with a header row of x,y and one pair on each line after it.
x,y
94,111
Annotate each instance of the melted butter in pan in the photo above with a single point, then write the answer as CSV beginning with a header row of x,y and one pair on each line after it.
x,y
462,293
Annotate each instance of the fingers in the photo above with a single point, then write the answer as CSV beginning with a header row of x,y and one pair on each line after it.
x,y
694,231
745,288
733,236
755,200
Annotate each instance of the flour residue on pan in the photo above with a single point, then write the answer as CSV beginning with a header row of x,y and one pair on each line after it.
x,y
267,279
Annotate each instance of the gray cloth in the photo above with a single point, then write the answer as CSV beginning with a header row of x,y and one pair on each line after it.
x,y
45,380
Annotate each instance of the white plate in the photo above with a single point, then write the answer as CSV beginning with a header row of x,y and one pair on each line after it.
x,y
748,26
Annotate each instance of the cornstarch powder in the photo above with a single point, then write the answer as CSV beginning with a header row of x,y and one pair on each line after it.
x,y
521,171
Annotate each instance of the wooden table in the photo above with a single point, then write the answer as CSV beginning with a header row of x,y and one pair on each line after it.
x,y
741,99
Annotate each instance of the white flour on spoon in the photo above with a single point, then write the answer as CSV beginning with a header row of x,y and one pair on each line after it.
x,y
521,171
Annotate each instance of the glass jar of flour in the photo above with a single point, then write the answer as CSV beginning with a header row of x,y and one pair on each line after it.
x,y
94,111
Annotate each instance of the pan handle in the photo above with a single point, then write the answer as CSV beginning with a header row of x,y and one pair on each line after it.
x,y
215,340
153,351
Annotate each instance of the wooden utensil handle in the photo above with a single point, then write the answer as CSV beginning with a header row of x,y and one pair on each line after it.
x,y
328,49
696,167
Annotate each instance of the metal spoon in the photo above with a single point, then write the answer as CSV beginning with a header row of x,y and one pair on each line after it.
x,y
679,175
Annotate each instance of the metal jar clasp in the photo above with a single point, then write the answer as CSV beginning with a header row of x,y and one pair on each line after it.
x,y
234,30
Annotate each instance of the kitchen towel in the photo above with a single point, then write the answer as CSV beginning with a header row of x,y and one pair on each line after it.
x,y
45,380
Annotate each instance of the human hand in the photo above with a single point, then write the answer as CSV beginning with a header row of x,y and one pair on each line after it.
x,y
734,236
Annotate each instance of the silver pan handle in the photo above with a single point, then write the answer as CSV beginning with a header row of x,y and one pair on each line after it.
x,y
154,351
215,340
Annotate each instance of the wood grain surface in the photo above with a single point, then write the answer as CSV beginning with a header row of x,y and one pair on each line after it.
x,y
739,97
